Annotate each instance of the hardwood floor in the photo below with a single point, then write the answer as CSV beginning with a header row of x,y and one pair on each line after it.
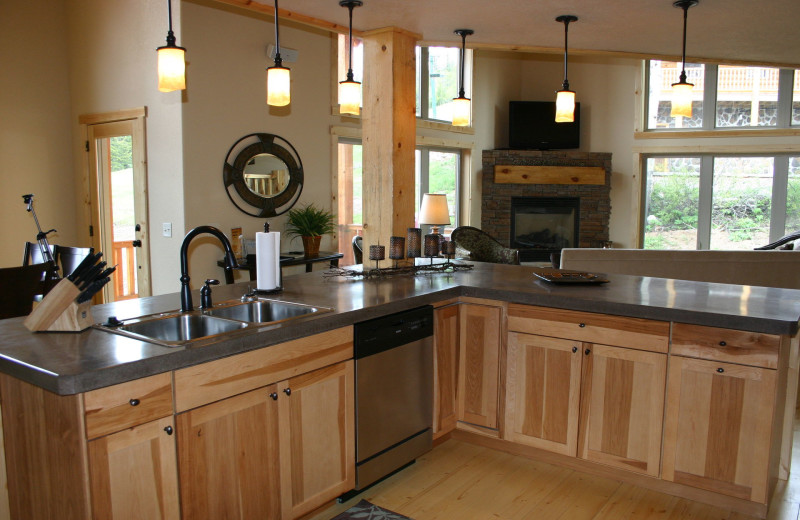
x,y
460,481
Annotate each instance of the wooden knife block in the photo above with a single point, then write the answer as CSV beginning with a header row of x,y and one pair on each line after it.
x,y
58,312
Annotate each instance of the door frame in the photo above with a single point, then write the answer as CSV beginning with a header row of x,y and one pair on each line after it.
x,y
135,117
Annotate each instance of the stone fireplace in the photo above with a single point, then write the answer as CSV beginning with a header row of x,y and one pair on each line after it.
x,y
542,201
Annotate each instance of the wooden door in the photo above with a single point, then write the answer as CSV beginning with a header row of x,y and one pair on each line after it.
x,y
478,360
543,392
718,426
228,458
445,364
619,426
134,473
317,438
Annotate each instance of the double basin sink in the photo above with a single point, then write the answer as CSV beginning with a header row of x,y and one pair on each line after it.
x,y
175,329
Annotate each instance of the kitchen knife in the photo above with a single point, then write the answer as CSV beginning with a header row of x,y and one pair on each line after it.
x,y
86,262
92,289
80,276
91,275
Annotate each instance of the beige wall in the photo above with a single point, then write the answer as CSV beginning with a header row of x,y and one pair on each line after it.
x,y
35,130
226,101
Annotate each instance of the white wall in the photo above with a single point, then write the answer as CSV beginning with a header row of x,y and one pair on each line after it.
x,y
225,100
112,64
35,130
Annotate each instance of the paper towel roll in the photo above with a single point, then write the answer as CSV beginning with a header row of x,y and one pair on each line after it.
x,y
268,267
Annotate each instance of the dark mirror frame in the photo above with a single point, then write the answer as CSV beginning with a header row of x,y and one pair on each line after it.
x,y
236,160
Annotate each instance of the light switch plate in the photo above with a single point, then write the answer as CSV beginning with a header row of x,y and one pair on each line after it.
x,y
166,229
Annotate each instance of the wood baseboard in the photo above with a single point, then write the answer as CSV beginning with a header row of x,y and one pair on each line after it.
x,y
662,486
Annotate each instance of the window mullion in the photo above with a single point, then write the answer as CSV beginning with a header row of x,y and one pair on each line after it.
x,y
424,83
785,94
711,76
780,183
705,202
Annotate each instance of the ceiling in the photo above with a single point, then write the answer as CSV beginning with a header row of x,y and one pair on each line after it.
x,y
735,31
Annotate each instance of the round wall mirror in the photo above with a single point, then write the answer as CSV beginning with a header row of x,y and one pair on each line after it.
x,y
263,175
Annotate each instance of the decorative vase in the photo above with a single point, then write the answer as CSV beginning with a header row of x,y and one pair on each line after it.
x,y
311,246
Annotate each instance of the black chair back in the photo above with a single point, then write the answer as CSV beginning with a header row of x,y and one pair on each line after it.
x,y
20,285
358,250
32,253
68,258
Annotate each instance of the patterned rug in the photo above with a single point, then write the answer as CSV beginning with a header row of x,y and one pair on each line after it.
x,y
367,511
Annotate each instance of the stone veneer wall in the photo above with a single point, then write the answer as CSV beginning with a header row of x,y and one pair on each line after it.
x,y
595,200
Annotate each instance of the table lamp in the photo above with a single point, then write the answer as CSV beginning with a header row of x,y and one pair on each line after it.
x,y
433,211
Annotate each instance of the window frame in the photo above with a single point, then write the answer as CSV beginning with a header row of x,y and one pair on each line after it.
x,y
423,83
424,180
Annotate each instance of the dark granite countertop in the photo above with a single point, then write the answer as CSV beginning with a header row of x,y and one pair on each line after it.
x,y
69,363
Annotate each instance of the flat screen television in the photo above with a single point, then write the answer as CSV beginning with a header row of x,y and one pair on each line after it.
x,y
532,126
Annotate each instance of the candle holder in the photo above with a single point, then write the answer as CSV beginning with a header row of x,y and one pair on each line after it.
x,y
432,246
377,253
397,247
414,244
448,249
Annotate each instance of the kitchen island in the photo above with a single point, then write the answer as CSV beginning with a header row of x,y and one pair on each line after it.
x,y
70,368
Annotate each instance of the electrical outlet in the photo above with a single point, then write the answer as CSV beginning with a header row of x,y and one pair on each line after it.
x,y
166,229
288,55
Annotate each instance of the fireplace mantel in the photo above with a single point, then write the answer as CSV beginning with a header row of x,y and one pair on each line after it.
x,y
547,174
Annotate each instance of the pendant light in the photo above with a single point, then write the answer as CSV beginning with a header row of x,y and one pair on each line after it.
x,y
278,78
682,90
171,61
461,104
350,89
565,98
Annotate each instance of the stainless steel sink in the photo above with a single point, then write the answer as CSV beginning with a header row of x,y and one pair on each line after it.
x,y
178,329
263,311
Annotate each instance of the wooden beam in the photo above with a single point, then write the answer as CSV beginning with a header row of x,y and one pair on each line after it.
x,y
389,134
515,174
285,14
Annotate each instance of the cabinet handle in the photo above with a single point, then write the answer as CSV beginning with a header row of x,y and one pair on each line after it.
x,y
581,325
274,396
168,429
720,370
287,391
722,343
134,402
574,349
587,351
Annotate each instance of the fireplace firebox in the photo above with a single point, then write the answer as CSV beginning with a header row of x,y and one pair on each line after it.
x,y
541,226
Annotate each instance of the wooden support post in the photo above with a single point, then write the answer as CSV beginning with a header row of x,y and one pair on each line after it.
x,y
389,135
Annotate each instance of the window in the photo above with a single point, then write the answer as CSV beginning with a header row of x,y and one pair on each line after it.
x,y
350,208
437,171
724,96
720,201
437,81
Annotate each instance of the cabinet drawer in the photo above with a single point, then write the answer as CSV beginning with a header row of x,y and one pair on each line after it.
x,y
593,328
115,408
734,346
215,380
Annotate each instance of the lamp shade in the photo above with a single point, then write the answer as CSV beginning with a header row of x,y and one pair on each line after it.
x,y
278,81
461,110
433,209
565,106
350,97
681,99
171,68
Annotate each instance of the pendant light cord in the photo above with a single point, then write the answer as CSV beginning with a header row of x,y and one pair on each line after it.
x,y
350,44
463,47
685,7
278,60
565,86
170,34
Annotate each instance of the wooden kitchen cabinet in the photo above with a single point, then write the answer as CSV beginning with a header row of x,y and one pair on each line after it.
x,y
134,473
718,426
445,368
568,395
478,364
275,452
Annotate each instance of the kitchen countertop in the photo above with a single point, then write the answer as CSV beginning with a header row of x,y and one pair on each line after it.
x,y
68,363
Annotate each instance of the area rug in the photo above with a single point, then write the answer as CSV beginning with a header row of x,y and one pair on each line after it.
x,y
367,511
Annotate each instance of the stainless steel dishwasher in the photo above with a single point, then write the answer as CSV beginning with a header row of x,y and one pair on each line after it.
x,y
394,392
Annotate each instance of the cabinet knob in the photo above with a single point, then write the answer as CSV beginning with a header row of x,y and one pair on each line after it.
x,y
287,391
581,325
169,430
134,402
720,370
274,396
574,349
722,343
587,351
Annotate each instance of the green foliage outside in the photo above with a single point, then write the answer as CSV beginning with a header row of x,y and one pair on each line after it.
x,y
121,153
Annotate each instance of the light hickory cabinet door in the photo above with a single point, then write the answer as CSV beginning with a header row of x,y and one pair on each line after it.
x,y
543,392
134,473
622,405
445,364
317,438
478,370
228,458
718,426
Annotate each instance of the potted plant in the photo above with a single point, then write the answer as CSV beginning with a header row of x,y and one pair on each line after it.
x,y
310,223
